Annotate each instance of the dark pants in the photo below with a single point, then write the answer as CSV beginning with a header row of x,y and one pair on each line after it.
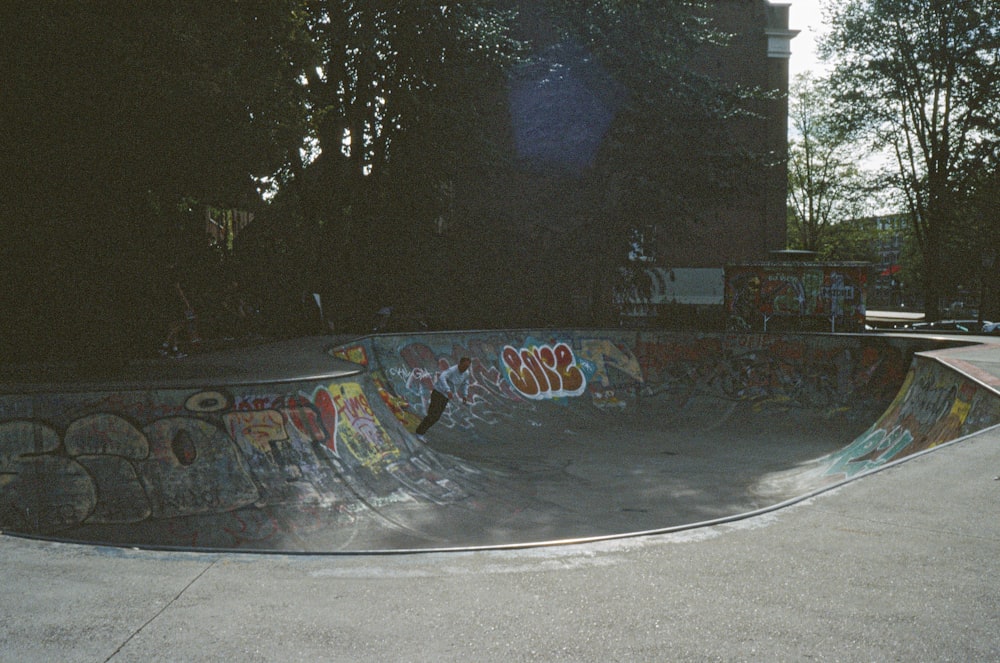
x,y
434,411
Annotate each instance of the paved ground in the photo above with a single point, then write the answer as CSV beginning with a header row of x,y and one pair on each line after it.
x,y
901,565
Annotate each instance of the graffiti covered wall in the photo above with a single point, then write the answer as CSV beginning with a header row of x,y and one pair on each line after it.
x,y
515,373
255,466
801,296
935,405
211,467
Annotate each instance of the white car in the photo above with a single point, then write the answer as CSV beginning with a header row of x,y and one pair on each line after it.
x,y
991,328
954,326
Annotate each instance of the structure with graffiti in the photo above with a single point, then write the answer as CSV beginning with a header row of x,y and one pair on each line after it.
x,y
772,296
331,463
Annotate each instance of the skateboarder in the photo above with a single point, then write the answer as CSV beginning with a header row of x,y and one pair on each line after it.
x,y
454,380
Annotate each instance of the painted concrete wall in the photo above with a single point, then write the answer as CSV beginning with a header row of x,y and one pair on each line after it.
x,y
273,465
214,467
616,370
831,296
935,404
926,402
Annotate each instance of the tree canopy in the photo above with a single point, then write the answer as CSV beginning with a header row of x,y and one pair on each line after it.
x,y
369,139
119,118
825,185
921,78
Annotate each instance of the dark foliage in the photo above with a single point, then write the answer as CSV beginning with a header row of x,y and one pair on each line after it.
x,y
126,119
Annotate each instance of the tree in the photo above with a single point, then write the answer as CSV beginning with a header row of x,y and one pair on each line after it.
x,y
390,73
410,130
920,78
984,243
392,100
122,116
825,185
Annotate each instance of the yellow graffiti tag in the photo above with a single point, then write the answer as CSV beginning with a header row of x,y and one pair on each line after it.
x,y
360,430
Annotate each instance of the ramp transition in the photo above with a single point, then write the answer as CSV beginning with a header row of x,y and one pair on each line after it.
x,y
568,435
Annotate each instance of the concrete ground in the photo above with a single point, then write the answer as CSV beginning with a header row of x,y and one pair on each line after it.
x,y
902,565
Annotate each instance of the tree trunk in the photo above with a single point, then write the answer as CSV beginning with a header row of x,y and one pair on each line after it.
x,y
934,281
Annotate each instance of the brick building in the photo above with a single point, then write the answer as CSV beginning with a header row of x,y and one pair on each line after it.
x,y
548,209
753,224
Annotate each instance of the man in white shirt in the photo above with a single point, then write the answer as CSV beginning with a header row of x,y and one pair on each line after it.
x,y
454,380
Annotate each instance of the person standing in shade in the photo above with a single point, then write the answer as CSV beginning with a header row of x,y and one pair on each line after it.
x,y
178,324
453,381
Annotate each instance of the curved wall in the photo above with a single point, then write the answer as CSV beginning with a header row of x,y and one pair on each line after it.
x,y
331,464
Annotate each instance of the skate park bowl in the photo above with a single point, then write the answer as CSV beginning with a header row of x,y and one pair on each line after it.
x,y
308,447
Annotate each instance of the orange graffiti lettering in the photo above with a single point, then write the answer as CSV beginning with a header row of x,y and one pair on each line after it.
x,y
543,372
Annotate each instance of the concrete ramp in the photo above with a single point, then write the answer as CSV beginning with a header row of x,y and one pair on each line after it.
x,y
569,434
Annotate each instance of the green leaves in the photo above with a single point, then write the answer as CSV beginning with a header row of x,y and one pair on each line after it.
x,y
825,186
920,78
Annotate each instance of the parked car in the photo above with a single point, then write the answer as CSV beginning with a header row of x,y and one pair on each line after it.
x,y
953,327
991,328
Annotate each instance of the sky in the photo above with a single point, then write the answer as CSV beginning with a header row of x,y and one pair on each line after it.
x,y
806,16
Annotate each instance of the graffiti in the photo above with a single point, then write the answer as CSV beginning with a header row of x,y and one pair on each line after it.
x,y
183,448
873,449
259,427
614,372
327,417
608,356
207,401
420,481
407,374
399,407
362,433
248,466
490,394
354,353
929,401
121,498
543,372
838,293
248,402
934,405
22,437
764,369
828,294
46,492
782,294
304,418
210,475
793,371
418,355
183,475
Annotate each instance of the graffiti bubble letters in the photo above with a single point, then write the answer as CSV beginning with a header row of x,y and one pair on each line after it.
x,y
542,372
361,430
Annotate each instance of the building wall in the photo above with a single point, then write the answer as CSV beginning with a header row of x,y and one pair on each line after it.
x,y
753,223
536,205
